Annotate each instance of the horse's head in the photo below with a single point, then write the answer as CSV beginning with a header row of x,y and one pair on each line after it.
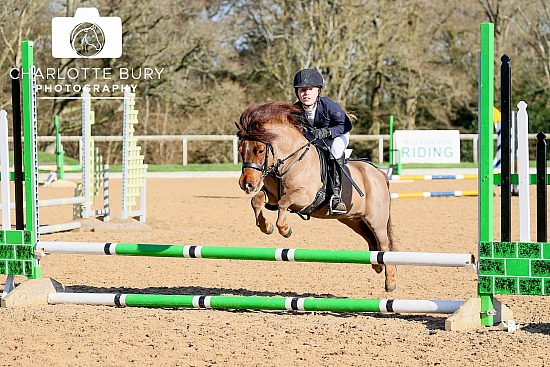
x,y
91,39
259,128
255,156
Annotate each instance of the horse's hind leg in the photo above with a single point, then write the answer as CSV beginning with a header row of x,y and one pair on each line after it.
x,y
380,241
364,231
383,235
257,201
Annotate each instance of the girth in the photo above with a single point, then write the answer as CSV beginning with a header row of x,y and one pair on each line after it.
x,y
321,196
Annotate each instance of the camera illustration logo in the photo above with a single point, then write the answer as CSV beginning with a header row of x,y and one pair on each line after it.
x,y
86,35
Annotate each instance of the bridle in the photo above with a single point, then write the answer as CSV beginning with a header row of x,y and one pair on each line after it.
x,y
274,168
263,168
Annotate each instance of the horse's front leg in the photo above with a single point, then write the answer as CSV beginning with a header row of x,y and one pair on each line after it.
x,y
257,202
284,229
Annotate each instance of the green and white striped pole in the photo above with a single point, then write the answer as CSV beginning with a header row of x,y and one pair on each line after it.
x,y
266,254
257,303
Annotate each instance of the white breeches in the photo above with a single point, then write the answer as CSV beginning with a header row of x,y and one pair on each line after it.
x,y
338,145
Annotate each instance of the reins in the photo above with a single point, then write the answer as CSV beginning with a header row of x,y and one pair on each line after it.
x,y
280,162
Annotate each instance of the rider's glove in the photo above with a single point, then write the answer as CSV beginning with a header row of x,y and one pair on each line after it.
x,y
321,133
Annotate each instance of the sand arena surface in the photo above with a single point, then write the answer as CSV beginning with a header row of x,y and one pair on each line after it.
x,y
216,212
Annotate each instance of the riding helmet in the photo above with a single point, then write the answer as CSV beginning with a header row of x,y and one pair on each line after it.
x,y
308,78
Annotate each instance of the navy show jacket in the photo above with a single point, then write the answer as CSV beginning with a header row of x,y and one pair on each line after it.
x,y
329,114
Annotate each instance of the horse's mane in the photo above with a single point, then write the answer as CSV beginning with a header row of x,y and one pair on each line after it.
x,y
253,121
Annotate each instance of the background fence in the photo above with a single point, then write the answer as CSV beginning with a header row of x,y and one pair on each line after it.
x,y
193,148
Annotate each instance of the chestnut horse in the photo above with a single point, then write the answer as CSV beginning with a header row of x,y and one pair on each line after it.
x,y
283,168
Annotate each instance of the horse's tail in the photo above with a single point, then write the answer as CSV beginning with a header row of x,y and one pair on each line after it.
x,y
390,229
390,234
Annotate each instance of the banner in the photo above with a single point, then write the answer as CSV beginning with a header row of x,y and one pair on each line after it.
x,y
428,146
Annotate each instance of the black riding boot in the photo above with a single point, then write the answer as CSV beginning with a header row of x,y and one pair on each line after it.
x,y
337,204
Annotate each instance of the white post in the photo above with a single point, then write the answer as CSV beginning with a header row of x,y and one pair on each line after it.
x,y
475,147
513,140
134,171
523,164
184,150
514,150
235,150
86,150
381,149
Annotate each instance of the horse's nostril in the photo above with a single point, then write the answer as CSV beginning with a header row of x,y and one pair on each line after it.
x,y
249,186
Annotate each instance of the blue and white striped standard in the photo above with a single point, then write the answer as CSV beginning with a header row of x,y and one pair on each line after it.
x,y
265,254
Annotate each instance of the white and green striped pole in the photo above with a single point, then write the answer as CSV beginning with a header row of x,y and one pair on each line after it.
x,y
257,303
265,254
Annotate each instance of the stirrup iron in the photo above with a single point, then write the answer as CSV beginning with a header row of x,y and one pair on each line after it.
x,y
334,211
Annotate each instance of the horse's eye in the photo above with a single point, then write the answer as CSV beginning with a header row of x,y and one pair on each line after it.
x,y
260,151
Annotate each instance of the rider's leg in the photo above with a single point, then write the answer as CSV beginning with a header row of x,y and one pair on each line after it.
x,y
337,204
337,147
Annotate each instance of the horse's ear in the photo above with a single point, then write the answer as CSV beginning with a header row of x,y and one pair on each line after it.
x,y
240,123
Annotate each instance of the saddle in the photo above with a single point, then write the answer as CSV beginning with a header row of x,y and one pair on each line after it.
x,y
322,197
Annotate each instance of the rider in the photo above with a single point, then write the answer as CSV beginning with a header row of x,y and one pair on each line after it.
x,y
330,124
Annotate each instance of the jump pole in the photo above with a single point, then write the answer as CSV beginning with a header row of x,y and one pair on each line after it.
x,y
55,202
257,303
433,194
262,254
69,226
432,177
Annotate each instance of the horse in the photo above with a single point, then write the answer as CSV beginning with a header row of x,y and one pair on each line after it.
x,y
282,168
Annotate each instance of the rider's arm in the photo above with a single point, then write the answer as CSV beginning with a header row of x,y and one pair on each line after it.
x,y
339,122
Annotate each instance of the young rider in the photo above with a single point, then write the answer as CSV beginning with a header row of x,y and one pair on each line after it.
x,y
330,124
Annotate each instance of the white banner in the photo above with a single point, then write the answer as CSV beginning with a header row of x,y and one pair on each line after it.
x,y
428,146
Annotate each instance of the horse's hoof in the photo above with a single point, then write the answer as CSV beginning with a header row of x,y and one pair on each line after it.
x,y
391,287
378,268
270,229
287,235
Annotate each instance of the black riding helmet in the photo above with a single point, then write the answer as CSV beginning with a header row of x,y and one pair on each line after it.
x,y
308,78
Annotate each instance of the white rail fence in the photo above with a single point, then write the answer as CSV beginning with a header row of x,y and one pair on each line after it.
x,y
185,139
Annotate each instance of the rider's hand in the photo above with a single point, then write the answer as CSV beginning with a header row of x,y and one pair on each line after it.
x,y
321,133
